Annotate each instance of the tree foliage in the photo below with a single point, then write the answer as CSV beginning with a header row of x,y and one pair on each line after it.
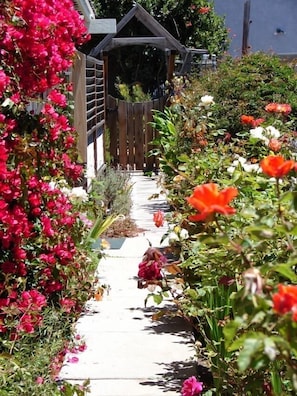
x,y
193,22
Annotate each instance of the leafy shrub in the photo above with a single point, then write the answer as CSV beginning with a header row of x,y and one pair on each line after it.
x,y
237,263
114,188
244,86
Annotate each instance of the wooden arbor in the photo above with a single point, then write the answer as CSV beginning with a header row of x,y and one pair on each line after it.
x,y
129,124
159,38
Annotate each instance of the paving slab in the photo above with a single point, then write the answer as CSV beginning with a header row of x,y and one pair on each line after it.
x,y
129,354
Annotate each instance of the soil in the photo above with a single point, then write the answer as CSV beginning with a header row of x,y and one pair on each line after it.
x,y
123,228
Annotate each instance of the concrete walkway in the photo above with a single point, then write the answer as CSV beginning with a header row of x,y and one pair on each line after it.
x,y
127,353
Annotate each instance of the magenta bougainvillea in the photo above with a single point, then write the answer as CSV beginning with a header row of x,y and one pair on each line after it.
x,y
40,245
38,40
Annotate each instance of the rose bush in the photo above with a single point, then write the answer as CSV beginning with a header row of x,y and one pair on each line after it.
x,y
238,262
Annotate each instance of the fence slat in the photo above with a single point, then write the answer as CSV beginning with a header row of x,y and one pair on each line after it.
x,y
122,116
130,136
139,135
111,123
149,135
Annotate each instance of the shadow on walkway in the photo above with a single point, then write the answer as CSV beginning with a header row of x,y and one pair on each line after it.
x,y
172,376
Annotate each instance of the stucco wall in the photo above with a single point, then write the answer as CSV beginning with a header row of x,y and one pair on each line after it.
x,y
267,17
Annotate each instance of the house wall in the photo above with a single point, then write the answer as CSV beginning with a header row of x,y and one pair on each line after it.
x,y
267,16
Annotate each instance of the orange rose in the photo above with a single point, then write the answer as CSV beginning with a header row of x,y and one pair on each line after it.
x,y
204,10
276,166
286,300
207,199
282,108
158,218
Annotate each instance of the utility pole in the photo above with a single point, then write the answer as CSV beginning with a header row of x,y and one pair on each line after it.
x,y
246,27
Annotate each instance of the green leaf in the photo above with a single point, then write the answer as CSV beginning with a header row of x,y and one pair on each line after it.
x,y
251,347
238,343
158,298
260,232
286,271
100,227
290,196
230,330
276,383
183,158
192,294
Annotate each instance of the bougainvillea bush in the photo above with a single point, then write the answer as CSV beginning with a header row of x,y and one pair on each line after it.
x,y
234,201
45,267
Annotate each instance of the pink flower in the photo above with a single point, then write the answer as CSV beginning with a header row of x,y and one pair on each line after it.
x,y
4,81
32,300
67,304
192,387
57,98
72,359
29,322
47,226
150,270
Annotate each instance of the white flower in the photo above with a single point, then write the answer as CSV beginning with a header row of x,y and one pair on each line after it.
x,y
78,193
206,100
265,134
173,237
252,168
246,166
184,234
52,185
257,133
271,351
240,160
177,233
272,132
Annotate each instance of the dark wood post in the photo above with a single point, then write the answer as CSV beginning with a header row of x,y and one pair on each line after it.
x,y
246,27
171,66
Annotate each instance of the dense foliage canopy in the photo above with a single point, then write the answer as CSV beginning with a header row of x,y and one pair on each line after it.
x,y
193,22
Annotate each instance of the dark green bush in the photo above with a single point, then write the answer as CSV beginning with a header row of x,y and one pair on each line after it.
x,y
245,85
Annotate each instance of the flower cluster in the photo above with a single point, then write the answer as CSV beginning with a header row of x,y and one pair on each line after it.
x,y
246,165
265,134
38,35
42,257
281,108
251,120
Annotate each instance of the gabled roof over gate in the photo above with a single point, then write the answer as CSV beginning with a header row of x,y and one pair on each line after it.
x,y
160,38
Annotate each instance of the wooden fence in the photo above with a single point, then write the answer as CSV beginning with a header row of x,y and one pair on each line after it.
x,y
131,133
89,111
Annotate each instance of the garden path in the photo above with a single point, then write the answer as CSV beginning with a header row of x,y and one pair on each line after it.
x,y
127,353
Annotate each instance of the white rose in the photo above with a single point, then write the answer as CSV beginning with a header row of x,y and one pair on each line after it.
x,y
206,100
252,168
79,193
272,132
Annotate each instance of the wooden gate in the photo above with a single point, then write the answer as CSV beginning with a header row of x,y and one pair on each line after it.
x,y
131,133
